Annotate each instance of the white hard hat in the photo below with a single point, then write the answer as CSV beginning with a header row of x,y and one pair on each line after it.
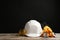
x,y
33,28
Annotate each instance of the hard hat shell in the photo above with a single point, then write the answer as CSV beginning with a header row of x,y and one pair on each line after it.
x,y
33,28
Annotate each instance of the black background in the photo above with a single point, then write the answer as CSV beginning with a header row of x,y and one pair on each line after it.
x,y
15,13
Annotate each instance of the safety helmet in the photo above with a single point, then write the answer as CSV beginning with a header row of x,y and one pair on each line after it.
x,y
33,28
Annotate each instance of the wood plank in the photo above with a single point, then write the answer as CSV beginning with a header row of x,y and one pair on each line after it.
x,y
14,36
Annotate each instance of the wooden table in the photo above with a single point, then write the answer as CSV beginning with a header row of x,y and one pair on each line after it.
x,y
14,36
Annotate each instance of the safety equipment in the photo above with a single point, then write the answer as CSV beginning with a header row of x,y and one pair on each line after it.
x,y
33,28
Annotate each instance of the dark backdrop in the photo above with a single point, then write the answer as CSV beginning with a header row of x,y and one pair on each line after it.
x,y
15,13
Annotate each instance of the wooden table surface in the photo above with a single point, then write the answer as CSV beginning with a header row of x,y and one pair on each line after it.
x,y
14,36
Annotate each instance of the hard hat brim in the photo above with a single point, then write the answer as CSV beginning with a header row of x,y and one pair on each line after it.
x,y
33,35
